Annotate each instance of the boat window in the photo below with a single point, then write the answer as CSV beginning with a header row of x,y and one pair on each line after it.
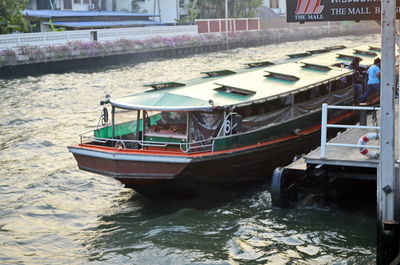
x,y
125,126
258,121
165,123
342,95
310,100
204,125
312,93
302,96
265,107
337,85
125,123
263,114
342,83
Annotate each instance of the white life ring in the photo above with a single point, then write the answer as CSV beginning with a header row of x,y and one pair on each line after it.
x,y
228,127
363,140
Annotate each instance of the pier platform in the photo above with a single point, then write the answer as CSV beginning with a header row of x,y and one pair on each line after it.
x,y
349,156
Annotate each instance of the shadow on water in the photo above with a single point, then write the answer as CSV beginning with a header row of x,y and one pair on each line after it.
x,y
245,230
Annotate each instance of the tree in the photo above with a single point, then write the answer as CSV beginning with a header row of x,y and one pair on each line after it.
x,y
236,8
11,17
247,8
193,12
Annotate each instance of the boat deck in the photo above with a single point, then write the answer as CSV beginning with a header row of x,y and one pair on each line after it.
x,y
349,156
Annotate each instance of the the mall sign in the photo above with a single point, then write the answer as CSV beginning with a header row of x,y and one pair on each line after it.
x,y
334,10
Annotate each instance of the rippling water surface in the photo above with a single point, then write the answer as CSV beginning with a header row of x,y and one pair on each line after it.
x,y
52,213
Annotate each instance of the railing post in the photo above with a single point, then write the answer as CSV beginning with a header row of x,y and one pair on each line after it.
x,y
363,117
324,120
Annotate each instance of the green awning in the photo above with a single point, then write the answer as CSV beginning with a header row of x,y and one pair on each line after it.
x,y
161,101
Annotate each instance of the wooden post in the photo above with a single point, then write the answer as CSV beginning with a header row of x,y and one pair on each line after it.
x,y
386,182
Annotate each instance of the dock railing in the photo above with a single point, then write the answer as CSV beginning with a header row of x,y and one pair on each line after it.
x,y
325,126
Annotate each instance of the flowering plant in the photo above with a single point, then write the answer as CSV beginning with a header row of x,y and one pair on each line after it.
x,y
8,56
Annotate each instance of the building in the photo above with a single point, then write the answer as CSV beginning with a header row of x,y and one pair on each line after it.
x,y
47,20
278,6
167,11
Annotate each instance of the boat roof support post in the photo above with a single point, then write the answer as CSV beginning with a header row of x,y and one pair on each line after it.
x,y
187,126
386,180
292,106
137,129
113,121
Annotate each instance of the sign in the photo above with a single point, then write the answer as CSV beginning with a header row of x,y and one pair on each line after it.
x,y
334,10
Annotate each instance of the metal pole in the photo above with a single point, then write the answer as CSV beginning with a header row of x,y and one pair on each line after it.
x,y
324,120
386,183
398,91
226,24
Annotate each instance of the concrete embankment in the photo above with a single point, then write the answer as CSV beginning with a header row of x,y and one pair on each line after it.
x,y
78,56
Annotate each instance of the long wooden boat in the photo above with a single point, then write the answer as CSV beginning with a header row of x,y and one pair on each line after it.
x,y
225,130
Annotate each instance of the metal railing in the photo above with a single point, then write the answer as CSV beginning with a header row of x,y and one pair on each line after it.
x,y
185,147
325,126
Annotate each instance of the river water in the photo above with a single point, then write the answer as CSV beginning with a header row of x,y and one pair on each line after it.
x,y
52,213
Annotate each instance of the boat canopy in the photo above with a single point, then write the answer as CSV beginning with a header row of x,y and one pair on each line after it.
x,y
244,88
162,100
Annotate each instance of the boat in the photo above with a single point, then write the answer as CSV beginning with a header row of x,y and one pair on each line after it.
x,y
227,130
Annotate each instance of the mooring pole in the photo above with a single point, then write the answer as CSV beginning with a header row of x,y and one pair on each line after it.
x,y
386,182
226,24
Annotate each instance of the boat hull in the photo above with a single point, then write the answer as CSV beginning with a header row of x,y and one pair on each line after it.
x,y
157,174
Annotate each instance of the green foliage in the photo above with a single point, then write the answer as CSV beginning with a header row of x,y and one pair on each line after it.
x,y
236,8
193,9
11,18
53,28
247,8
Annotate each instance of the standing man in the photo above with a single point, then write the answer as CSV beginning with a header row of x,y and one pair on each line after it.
x,y
358,79
374,80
